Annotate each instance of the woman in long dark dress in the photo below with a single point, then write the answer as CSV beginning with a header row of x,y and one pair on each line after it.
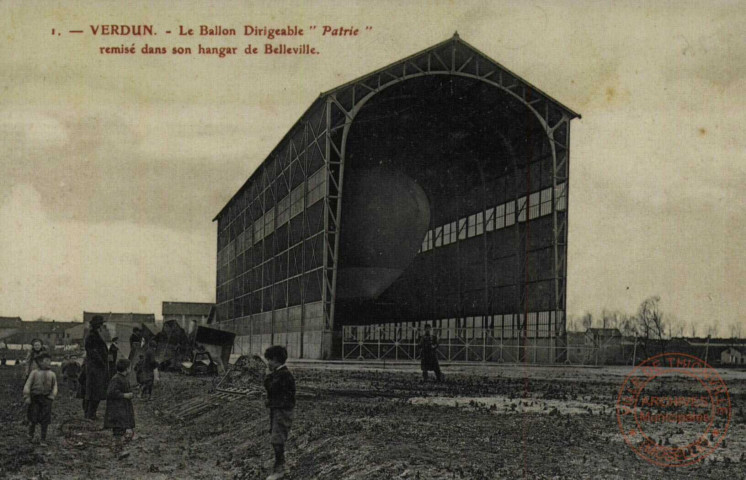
x,y
97,368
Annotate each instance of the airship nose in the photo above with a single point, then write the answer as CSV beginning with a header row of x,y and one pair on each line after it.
x,y
385,216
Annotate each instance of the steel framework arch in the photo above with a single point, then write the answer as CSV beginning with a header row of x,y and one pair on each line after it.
x,y
343,104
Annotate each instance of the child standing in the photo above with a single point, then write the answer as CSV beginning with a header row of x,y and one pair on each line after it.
x,y
139,373
70,374
38,393
120,415
280,386
146,376
34,356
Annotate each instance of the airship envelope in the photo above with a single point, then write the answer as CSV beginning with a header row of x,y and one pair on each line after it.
x,y
385,216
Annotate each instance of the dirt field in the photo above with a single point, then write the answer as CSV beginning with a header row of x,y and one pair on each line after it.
x,y
372,423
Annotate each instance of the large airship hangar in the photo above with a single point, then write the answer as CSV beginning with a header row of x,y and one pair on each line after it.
x,y
432,191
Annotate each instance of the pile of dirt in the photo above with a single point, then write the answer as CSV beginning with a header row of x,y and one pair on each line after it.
x,y
246,374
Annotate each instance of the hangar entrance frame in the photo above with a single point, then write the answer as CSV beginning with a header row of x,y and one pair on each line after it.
x,y
278,264
460,60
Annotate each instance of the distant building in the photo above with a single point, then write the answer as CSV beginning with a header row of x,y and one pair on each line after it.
x,y
605,345
188,315
10,322
76,333
733,356
50,332
110,317
9,326
577,350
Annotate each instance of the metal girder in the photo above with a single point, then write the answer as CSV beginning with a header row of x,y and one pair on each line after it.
x,y
511,86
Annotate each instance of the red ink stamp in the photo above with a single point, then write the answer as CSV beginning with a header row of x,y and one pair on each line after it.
x,y
673,410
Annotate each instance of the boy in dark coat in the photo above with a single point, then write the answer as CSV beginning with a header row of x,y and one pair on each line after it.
x,y
428,346
280,386
97,367
120,415
38,393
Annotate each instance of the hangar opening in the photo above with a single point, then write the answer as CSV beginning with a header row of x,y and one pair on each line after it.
x,y
431,191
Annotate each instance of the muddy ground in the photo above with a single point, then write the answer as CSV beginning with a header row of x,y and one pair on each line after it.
x,y
367,423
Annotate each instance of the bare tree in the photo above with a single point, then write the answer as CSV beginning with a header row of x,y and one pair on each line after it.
x,y
736,329
619,320
651,326
573,323
692,329
712,330
675,327
587,321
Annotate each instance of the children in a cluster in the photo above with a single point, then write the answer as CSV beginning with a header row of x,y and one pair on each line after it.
x,y
280,386
120,414
38,393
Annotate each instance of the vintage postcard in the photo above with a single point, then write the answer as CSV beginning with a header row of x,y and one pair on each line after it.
x,y
372,240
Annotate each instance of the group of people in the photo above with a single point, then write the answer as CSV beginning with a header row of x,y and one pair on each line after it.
x,y
41,386
102,376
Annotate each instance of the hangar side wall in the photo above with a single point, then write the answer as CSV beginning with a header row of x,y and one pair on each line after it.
x,y
271,250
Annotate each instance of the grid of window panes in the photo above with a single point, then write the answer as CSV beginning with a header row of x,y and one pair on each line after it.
x,y
496,218
266,246
505,326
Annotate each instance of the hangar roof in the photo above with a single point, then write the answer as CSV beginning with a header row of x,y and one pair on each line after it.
x,y
453,56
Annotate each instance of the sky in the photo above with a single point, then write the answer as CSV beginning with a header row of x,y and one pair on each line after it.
x,y
112,167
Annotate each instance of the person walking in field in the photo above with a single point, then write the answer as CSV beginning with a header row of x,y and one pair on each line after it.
x,y
97,368
38,393
280,386
428,346
120,414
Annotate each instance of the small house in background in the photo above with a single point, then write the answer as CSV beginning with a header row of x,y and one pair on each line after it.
x,y
52,333
577,351
733,356
606,345
76,333
9,326
602,337
189,315
111,317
